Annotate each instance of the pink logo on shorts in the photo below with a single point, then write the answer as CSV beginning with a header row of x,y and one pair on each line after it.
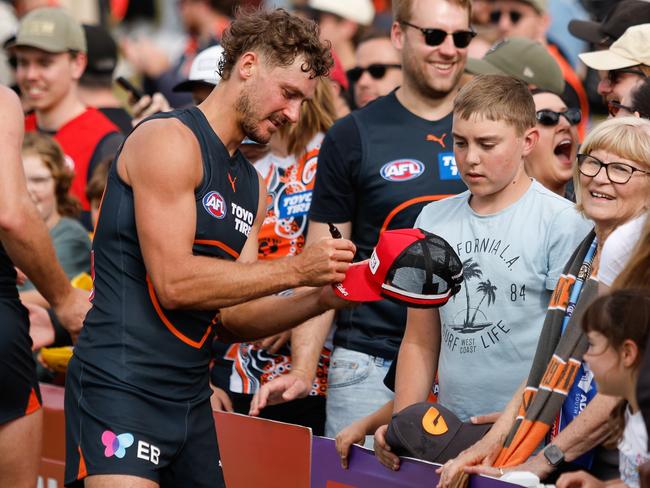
x,y
116,444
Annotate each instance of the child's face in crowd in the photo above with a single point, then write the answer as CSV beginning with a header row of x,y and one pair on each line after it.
x,y
612,368
41,186
488,153
551,160
612,204
46,78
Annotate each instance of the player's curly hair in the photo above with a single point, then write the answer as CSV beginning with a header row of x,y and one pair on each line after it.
x,y
280,37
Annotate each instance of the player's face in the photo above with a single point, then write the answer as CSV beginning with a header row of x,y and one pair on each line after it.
x,y
551,160
46,78
488,154
41,187
378,52
273,99
433,71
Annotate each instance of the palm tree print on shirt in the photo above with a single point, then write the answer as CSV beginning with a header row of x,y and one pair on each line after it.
x,y
472,270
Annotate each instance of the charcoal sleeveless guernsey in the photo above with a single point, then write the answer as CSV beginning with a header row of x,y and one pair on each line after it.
x,y
7,276
128,336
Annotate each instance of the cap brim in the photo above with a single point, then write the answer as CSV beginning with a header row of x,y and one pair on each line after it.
x,y
481,67
606,60
358,286
415,300
586,30
43,46
190,85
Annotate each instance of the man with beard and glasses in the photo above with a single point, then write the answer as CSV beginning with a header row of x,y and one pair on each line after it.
x,y
377,168
174,256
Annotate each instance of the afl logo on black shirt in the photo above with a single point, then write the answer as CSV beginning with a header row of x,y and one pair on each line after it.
x,y
215,204
402,170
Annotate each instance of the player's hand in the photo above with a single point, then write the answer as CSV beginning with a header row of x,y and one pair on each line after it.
x,y
383,451
355,433
484,452
41,329
72,311
275,342
578,479
488,418
284,388
324,262
147,106
220,400
330,300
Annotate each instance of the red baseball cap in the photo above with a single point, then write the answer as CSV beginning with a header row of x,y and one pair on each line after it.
x,y
410,266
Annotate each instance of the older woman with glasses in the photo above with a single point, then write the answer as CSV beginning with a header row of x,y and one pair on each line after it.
x,y
612,187
551,160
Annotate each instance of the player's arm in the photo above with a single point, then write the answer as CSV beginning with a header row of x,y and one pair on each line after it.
x,y
417,361
161,163
22,230
307,342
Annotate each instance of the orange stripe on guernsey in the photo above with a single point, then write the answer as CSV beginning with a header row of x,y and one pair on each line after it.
x,y
244,377
408,203
32,404
170,326
82,472
218,244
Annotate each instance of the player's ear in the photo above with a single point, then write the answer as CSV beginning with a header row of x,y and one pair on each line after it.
x,y
247,64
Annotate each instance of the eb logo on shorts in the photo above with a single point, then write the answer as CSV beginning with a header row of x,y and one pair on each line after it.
x,y
447,166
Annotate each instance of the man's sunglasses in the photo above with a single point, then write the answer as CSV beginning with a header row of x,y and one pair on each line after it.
x,y
551,118
435,37
614,75
376,70
614,107
515,16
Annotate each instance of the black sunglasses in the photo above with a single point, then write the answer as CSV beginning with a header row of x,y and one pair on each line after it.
x,y
616,172
376,70
515,16
435,37
614,75
551,118
614,107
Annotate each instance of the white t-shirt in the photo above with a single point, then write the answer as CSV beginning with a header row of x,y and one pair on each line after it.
x,y
633,448
511,263
618,248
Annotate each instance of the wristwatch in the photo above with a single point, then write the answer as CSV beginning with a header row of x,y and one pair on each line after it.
x,y
553,455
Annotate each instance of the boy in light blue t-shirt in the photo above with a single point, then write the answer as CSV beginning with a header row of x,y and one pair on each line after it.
x,y
514,237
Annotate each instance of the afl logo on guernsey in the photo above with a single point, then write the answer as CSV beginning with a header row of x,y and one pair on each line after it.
x,y
215,204
402,170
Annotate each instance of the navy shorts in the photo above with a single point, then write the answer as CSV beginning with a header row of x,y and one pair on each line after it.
x,y
18,383
113,428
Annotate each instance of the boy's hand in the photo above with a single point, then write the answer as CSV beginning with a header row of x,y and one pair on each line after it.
x,y
355,433
382,450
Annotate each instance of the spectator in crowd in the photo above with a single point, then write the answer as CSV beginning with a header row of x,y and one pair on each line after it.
x,y
289,171
612,188
377,71
617,326
96,83
24,242
624,64
377,169
48,183
50,49
636,102
340,23
529,18
497,325
204,22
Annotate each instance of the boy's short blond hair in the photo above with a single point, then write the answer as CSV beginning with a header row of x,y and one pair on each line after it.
x,y
497,98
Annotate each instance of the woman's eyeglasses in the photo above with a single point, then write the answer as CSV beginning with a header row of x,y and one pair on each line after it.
x,y
515,16
435,37
376,70
616,172
551,118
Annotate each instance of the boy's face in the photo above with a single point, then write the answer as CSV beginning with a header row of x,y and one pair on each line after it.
x,y
46,78
489,154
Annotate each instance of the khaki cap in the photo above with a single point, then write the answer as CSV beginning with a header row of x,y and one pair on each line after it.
x,y
631,49
524,59
51,29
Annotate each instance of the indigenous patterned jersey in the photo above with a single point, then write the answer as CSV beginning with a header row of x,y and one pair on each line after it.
x,y
128,336
289,183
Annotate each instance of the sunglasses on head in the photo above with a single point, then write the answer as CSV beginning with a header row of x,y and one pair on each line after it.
x,y
435,37
515,16
376,70
551,118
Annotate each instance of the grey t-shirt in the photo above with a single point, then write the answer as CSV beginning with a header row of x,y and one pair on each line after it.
x,y
511,263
